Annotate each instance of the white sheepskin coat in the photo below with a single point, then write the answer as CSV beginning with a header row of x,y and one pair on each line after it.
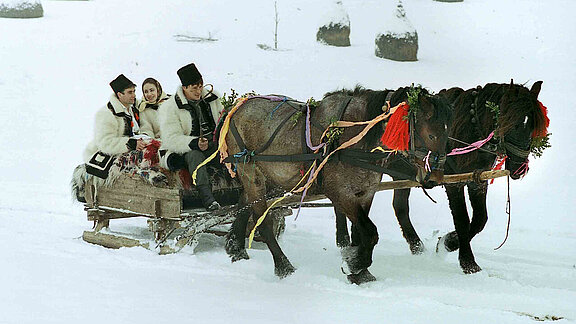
x,y
108,131
176,124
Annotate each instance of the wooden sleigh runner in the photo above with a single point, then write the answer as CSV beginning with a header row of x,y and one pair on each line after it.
x,y
172,224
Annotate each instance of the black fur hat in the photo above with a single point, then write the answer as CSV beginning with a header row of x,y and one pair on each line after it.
x,y
189,74
121,83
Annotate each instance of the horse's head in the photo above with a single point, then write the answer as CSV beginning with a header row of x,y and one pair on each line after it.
x,y
521,118
428,118
431,121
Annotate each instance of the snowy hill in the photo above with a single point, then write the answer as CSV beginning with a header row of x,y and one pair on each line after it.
x,y
54,75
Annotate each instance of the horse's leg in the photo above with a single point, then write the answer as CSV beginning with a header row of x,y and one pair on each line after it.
x,y
342,236
253,191
402,209
282,266
254,183
235,240
477,194
461,238
358,257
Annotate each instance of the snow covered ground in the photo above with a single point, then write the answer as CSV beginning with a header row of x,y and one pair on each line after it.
x,y
54,75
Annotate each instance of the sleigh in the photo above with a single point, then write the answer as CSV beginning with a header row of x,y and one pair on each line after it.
x,y
174,213
175,216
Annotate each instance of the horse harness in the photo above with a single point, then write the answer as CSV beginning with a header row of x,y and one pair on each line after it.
x,y
355,157
496,146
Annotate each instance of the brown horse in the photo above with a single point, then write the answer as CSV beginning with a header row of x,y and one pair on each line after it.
x,y
515,116
268,127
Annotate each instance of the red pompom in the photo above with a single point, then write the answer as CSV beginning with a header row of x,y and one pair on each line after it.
x,y
151,152
542,131
397,133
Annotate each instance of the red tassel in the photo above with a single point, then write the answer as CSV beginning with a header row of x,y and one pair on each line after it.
x,y
498,165
542,132
151,152
397,133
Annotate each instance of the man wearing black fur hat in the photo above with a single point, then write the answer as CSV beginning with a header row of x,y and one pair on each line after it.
x,y
187,124
117,122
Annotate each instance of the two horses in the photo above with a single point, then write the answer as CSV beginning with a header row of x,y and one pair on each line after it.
x,y
349,178
512,116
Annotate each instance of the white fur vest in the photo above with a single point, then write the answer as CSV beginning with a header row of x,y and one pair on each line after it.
x,y
176,123
110,130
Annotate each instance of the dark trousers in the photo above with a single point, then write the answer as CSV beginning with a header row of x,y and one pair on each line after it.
x,y
194,158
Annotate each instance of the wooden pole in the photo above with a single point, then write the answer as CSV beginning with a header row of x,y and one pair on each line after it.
x,y
405,184
448,179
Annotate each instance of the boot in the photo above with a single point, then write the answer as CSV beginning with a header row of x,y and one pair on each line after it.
x,y
207,198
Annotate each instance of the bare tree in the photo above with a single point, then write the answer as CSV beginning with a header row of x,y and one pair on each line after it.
x,y
276,20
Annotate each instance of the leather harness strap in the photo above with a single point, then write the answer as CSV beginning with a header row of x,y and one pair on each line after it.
x,y
354,157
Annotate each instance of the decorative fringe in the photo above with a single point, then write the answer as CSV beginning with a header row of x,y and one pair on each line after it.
x,y
397,133
151,153
543,131
498,163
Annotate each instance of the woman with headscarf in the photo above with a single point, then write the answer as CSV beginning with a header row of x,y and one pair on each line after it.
x,y
148,107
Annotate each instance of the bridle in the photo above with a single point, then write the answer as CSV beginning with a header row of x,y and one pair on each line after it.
x,y
433,161
502,148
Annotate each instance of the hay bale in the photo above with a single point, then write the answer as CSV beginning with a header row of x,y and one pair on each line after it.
x,y
400,41
335,35
398,48
21,9
335,30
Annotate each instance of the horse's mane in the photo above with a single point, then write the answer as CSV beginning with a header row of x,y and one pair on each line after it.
x,y
377,99
374,102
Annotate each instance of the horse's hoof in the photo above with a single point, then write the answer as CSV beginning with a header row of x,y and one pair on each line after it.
x,y
343,242
349,260
417,248
234,251
241,255
284,270
470,267
448,243
363,276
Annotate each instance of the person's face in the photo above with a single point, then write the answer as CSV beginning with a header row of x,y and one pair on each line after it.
x,y
128,96
193,92
150,92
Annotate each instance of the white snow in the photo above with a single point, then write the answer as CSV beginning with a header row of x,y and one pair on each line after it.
x,y
335,14
397,23
54,76
18,3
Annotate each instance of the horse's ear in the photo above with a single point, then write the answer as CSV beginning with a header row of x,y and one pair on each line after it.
x,y
428,106
536,88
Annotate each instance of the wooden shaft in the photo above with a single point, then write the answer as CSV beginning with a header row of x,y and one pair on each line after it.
x,y
448,179
405,184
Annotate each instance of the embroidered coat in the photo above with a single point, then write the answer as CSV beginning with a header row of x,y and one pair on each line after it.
x,y
177,125
112,129
149,123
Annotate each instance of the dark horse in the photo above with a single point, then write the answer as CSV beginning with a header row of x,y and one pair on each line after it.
x,y
270,129
514,114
